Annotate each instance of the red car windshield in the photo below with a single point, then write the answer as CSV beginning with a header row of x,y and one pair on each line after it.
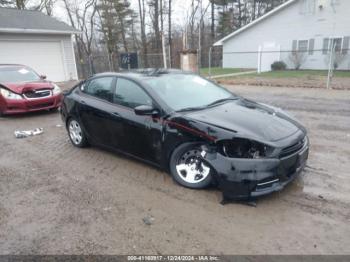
x,y
17,74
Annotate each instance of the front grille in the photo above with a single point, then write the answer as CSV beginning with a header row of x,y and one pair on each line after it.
x,y
42,105
37,93
290,150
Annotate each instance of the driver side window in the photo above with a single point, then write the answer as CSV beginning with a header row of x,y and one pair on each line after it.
x,y
100,87
129,94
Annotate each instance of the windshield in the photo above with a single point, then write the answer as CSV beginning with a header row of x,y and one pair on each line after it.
x,y
180,91
17,74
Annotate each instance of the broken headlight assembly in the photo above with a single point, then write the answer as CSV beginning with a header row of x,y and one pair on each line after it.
x,y
244,148
9,95
56,90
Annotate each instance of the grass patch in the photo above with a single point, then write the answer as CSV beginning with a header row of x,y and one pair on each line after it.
x,y
297,74
221,71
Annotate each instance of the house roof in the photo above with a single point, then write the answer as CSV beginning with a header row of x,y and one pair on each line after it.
x,y
28,21
242,29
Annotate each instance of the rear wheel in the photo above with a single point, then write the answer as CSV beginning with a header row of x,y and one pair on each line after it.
x,y
76,133
188,167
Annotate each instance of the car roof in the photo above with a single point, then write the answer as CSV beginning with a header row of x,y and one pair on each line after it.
x,y
12,65
144,73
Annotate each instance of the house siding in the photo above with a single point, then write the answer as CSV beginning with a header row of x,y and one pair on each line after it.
x,y
67,51
287,25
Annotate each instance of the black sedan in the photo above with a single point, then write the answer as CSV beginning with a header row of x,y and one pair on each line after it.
x,y
191,127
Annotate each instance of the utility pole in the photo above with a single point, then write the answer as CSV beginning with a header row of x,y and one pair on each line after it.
x,y
331,64
163,37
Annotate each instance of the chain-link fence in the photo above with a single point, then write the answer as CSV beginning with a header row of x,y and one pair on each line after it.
x,y
92,65
124,61
270,65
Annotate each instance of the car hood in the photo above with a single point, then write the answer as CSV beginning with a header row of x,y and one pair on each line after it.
x,y
23,87
248,119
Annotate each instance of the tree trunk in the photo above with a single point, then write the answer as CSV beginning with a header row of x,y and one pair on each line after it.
x,y
143,33
156,26
170,36
254,10
125,44
239,14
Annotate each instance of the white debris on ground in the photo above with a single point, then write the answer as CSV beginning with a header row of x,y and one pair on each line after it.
x,y
26,133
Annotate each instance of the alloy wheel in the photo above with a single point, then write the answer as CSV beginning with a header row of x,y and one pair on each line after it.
x,y
75,132
191,167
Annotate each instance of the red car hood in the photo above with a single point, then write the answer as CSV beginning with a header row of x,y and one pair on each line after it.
x,y
23,87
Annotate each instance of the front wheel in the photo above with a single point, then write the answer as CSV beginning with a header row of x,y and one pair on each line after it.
x,y
76,133
188,167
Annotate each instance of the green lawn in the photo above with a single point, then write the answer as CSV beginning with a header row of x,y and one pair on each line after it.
x,y
221,71
297,74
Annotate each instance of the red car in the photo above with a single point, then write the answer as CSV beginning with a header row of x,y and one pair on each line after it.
x,y
22,90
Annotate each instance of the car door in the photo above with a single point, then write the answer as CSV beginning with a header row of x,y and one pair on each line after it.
x,y
141,135
97,112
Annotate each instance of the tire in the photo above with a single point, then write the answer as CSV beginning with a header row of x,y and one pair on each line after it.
x,y
188,168
76,133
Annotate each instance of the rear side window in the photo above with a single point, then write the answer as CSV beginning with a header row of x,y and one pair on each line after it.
x,y
130,94
100,87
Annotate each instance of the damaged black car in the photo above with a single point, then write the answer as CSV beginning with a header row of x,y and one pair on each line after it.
x,y
199,132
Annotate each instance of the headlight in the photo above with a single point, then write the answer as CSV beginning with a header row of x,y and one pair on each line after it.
x,y
9,95
244,148
56,90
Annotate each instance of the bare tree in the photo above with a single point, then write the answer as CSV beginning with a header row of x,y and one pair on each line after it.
x,y
191,22
142,12
154,11
212,28
45,6
82,18
298,58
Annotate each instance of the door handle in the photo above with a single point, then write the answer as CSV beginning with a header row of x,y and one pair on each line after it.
x,y
115,114
83,102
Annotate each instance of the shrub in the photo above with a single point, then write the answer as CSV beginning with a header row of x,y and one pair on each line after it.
x,y
278,65
298,59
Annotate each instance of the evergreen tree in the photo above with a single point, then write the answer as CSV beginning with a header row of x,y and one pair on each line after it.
x,y
116,20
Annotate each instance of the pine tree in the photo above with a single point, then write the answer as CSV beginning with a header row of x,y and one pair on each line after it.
x,y
116,19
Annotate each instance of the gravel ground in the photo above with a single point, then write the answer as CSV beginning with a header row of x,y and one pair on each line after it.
x,y
57,199
308,81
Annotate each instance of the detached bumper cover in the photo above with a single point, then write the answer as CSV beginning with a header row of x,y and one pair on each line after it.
x,y
10,106
249,178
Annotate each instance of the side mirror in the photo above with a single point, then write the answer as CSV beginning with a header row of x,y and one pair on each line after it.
x,y
43,77
146,110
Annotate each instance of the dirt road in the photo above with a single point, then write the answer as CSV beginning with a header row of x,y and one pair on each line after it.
x,y
56,199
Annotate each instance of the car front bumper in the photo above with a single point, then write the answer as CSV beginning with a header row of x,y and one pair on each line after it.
x,y
250,178
11,106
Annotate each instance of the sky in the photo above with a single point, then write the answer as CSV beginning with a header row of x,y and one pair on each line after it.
x,y
179,15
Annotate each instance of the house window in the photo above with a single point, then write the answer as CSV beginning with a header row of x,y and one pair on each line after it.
x,y
338,44
303,45
311,46
326,42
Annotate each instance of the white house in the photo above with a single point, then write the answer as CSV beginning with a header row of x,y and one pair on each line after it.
x,y
306,29
39,41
